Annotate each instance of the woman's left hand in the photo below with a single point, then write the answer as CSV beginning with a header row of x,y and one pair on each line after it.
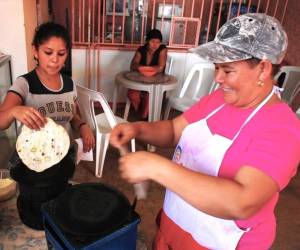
x,y
139,166
88,138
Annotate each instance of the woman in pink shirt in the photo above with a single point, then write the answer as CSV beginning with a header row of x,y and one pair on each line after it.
x,y
236,148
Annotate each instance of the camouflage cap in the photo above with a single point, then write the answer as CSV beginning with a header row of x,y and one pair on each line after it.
x,y
246,36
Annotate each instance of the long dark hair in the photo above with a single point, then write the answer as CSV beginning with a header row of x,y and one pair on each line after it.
x,y
47,30
154,34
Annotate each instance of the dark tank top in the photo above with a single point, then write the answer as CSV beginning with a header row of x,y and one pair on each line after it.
x,y
155,58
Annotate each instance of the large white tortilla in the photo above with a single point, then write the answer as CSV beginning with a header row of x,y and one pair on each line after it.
x,y
41,149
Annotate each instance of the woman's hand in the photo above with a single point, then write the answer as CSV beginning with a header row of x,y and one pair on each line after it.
x,y
123,133
29,117
140,166
88,138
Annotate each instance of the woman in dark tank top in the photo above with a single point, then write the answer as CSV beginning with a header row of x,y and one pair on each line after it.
x,y
153,53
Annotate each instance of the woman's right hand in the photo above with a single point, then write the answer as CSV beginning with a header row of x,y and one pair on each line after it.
x,y
29,117
123,133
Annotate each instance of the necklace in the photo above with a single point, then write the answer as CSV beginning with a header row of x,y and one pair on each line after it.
x,y
52,83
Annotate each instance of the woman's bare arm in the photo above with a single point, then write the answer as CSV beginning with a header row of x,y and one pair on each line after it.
x,y
235,199
229,199
12,109
135,62
161,61
84,129
160,133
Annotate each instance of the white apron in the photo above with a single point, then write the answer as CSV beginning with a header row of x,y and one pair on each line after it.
x,y
205,155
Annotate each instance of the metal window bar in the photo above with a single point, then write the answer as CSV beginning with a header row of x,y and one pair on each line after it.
x,y
275,10
285,7
219,16
193,23
124,23
209,19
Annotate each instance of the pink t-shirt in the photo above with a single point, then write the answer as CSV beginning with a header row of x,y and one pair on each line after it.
x,y
270,142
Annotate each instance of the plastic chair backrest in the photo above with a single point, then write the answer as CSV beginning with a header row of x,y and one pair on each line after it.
x,y
291,78
169,65
87,99
199,81
214,86
296,91
102,123
295,99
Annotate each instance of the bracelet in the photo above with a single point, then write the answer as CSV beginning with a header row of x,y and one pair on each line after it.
x,y
81,124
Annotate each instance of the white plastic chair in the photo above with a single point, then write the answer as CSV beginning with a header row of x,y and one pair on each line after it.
x,y
291,78
101,123
298,113
295,100
168,71
193,89
214,87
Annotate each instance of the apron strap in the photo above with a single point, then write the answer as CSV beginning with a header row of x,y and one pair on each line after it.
x,y
254,112
275,90
214,111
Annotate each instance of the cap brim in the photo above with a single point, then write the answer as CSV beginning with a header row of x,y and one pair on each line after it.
x,y
218,53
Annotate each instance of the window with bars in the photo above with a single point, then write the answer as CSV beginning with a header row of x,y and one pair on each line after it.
x,y
183,23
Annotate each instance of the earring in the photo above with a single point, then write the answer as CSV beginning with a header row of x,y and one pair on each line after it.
x,y
260,83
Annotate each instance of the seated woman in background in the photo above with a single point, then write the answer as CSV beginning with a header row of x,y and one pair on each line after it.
x,y
153,53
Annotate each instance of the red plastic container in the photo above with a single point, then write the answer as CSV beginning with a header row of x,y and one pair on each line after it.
x,y
147,71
